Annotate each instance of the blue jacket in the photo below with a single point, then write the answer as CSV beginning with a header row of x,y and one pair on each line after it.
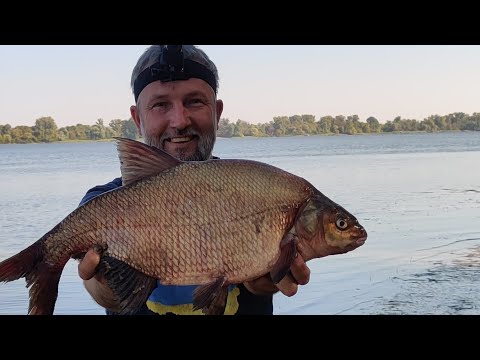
x,y
177,300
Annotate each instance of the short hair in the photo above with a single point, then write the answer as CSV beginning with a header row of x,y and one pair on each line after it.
x,y
191,52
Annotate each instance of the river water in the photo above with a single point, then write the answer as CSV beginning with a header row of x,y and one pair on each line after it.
x,y
418,196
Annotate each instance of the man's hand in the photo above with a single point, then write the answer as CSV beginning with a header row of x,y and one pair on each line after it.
x,y
95,283
299,275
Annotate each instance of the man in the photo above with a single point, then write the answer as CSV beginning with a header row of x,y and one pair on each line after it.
x,y
177,110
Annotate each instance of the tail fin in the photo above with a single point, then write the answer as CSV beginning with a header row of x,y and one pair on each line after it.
x,y
40,277
20,265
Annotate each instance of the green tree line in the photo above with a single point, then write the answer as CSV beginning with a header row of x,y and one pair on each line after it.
x,y
327,125
46,130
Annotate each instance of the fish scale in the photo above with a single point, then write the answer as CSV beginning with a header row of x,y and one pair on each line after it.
x,y
153,228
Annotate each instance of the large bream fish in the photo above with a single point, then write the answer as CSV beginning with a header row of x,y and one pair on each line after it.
x,y
209,223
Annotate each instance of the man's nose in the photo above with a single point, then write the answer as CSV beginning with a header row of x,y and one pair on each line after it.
x,y
179,117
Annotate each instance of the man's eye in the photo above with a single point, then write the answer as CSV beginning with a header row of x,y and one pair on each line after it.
x,y
195,102
160,104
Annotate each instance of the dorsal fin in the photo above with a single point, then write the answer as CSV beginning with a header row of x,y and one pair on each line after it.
x,y
138,160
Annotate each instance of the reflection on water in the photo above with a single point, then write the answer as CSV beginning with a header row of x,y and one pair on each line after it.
x,y
417,195
447,286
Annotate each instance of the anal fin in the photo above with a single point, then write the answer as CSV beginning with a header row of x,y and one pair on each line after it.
x,y
130,286
211,297
288,251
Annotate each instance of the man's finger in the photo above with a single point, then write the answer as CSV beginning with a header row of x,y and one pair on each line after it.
x,y
300,271
87,267
261,286
288,286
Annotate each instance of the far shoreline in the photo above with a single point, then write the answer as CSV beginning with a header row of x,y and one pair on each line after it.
x,y
258,137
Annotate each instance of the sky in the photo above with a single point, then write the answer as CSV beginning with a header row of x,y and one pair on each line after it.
x,y
82,83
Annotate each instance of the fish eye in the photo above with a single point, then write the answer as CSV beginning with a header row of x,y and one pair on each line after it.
x,y
342,224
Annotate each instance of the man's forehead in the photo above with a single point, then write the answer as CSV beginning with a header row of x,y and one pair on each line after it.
x,y
177,88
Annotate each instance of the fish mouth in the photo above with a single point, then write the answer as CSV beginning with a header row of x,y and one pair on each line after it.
x,y
361,241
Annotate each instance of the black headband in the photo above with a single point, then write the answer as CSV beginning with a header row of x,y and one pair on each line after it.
x,y
172,66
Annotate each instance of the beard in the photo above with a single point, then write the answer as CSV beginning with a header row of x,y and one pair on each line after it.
x,y
206,141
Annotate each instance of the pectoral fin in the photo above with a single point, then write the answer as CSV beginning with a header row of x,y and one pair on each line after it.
x,y
211,297
130,286
288,251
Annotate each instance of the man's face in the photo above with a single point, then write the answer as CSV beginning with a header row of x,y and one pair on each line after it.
x,y
179,117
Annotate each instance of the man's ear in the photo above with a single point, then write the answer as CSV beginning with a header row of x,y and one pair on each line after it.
x,y
219,110
136,118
